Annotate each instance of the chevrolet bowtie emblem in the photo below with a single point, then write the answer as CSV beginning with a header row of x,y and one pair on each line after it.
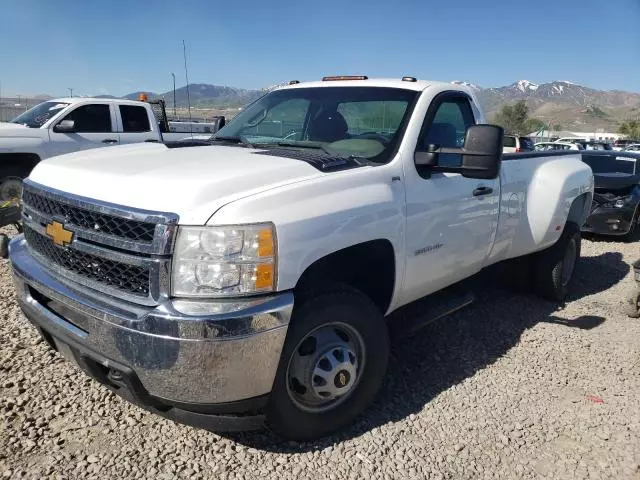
x,y
59,235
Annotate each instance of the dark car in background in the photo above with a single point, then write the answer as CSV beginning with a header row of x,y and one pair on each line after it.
x,y
615,209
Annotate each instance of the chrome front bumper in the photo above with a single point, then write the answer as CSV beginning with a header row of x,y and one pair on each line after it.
x,y
182,352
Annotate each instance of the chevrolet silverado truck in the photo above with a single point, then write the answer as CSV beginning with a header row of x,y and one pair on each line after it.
x,y
249,282
66,125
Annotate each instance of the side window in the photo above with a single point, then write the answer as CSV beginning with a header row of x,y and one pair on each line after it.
x,y
285,120
509,141
134,119
91,119
448,129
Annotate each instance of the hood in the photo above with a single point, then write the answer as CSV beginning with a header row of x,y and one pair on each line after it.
x,y
193,182
15,130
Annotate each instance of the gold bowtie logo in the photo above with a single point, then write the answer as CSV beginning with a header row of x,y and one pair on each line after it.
x,y
59,235
343,379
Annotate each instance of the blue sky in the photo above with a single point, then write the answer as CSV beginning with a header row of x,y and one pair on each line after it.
x,y
117,47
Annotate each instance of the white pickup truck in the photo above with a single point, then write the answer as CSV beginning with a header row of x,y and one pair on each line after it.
x,y
249,281
66,125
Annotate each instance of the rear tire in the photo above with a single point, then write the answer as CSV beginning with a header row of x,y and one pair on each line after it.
x,y
4,246
554,267
338,329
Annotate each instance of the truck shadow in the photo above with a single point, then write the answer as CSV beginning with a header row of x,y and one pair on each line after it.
x,y
446,352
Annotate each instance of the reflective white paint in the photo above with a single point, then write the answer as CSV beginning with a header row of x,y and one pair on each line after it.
x,y
46,143
439,231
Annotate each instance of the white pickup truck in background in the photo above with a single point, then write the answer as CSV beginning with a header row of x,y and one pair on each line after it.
x,y
66,125
249,281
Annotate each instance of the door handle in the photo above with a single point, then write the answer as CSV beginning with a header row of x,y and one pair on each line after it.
x,y
482,191
109,140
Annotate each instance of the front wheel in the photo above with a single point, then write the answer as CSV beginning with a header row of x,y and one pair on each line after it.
x,y
555,266
10,188
332,365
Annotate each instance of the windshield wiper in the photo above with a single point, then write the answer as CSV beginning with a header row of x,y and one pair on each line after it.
x,y
241,140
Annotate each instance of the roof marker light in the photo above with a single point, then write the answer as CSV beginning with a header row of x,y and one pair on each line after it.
x,y
344,77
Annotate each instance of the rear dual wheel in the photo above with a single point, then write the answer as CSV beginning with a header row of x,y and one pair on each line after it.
x,y
554,267
332,364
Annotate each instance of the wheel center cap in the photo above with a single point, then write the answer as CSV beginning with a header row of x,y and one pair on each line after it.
x,y
341,379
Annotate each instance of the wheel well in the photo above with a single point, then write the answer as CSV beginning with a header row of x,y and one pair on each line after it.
x,y
18,164
579,210
368,267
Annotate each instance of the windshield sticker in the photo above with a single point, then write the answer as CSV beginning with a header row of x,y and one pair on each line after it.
x,y
58,106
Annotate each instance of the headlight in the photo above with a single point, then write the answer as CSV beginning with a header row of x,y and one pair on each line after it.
x,y
224,261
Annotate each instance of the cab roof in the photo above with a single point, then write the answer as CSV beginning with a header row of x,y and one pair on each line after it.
x,y
74,100
418,85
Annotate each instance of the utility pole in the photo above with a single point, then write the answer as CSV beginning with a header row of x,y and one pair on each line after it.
x,y
70,91
174,94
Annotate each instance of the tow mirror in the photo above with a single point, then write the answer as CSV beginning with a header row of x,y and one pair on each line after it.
x,y
65,126
482,152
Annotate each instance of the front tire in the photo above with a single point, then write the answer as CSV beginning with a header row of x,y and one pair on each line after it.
x,y
555,266
332,365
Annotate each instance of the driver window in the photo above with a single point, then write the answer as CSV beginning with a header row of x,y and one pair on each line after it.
x,y
91,119
448,129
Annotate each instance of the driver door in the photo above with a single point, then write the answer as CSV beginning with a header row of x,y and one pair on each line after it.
x,y
94,127
451,220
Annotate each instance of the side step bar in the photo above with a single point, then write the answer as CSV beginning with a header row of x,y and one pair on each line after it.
x,y
427,310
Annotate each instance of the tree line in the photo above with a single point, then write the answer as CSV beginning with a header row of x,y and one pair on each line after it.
x,y
515,120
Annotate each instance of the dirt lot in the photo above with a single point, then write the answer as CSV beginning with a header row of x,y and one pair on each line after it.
x,y
512,387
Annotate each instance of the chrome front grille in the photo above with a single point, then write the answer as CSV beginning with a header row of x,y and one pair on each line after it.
x,y
107,224
128,278
115,250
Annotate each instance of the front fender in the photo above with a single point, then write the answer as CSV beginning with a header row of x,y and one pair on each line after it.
x,y
318,217
22,144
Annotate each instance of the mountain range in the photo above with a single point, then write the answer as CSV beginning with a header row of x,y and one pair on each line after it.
x,y
572,106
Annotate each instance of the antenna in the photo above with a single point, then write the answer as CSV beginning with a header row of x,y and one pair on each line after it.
x,y
186,74
70,91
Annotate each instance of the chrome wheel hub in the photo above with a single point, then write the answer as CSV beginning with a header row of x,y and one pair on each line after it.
x,y
325,367
11,188
335,373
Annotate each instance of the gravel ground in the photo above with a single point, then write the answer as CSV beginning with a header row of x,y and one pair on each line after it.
x,y
512,387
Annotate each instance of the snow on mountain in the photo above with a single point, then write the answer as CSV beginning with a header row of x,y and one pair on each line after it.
x,y
525,85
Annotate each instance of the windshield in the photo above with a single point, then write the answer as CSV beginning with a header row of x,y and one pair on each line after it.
x,y
40,114
363,122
